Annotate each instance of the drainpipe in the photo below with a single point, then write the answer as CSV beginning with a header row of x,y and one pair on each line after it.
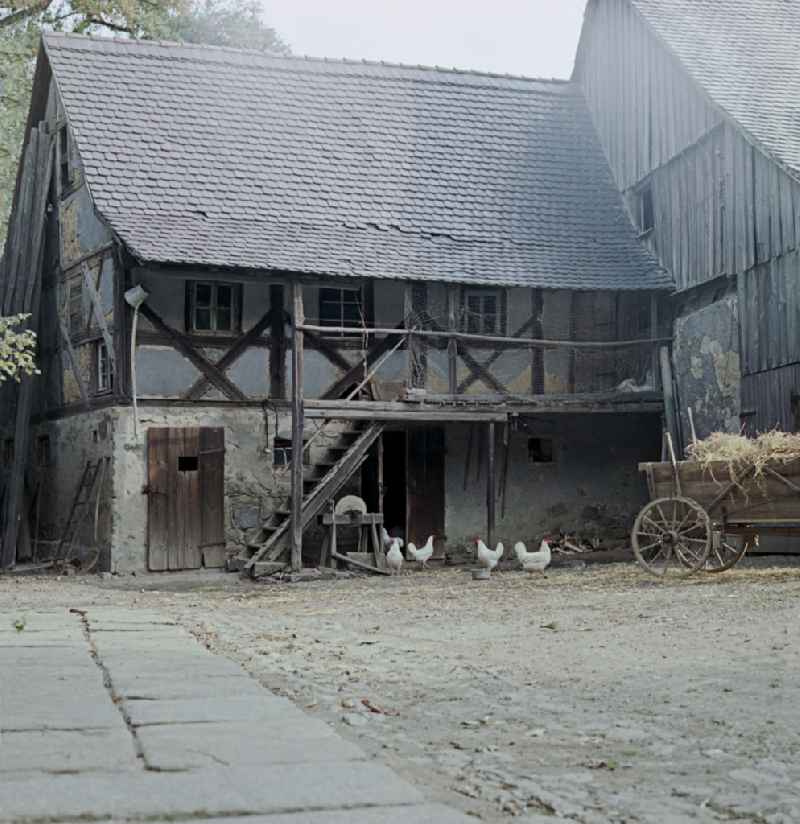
x,y
135,297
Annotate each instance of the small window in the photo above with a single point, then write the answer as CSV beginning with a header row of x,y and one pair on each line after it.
x,y
43,451
214,307
75,307
647,219
64,157
483,311
187,463
340,307
541,450
105,378
281,452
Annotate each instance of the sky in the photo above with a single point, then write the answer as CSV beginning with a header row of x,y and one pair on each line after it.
x,y
536,38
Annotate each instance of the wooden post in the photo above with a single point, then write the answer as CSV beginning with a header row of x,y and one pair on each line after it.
x,y
277,349
669,395
537,331
452,344
296,532
490,483
380,473
654,335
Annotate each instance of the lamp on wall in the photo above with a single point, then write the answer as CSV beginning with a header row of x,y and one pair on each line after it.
x,y
135,297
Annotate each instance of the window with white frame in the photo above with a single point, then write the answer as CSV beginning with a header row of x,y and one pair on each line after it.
x,y
483,311
340,307
104,378
213,306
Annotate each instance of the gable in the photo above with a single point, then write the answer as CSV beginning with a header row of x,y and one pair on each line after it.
x,y
745,56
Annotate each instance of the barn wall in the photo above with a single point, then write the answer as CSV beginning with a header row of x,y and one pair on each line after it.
x,y
644,106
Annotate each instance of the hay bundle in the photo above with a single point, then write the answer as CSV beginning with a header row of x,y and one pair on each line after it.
x,y
738,451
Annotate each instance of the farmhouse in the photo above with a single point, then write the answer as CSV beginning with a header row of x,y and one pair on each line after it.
x,y
474,300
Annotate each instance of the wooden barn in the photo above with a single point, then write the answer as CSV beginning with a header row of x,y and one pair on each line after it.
x,y
474,300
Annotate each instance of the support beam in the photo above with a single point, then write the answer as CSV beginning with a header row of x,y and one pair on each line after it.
x,y
296,530
202,384
452,344
277,350
670,419
537,331
184,345
654,336
490,485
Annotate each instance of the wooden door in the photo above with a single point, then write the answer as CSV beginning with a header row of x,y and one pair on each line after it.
x,y
185,468
425,485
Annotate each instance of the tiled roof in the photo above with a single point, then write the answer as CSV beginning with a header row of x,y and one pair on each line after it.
x,y
746,55
229,158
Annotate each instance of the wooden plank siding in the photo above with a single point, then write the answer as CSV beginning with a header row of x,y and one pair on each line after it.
x,y
645,107
720,208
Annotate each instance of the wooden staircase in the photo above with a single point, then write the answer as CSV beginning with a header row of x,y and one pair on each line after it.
x,y
321,481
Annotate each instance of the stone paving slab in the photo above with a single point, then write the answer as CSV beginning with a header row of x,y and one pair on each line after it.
x,y
418,814
150,688
266,707
248,790
51,751
187,746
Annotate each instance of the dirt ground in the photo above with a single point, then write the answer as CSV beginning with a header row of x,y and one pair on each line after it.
x,y
591,695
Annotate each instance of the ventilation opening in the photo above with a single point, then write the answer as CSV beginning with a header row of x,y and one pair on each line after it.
x,y
187,463
281,451
540,450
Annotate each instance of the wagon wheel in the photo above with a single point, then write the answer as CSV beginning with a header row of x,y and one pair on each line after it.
x,y
672,537
726,551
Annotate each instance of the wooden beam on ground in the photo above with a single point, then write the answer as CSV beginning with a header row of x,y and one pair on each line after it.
x,y
296,529
201,385
185,346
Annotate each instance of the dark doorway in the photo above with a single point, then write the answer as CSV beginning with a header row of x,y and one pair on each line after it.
x,y
394,483
425,490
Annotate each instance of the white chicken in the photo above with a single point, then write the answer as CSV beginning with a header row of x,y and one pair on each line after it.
x,y
394,558
534,561
422,554
387,539
487,557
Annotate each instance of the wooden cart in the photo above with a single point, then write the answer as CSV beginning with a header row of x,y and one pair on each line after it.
x,y
705,518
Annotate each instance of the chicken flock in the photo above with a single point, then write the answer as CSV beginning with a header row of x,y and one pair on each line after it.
x,y
488,558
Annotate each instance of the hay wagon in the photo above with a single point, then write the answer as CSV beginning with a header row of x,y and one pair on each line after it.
x,y
705,516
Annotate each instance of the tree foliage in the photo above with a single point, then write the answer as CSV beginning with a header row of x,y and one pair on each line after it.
x,y
17,348
216,22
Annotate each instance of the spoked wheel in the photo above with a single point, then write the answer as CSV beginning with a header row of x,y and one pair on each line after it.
x,y
672,537
726,551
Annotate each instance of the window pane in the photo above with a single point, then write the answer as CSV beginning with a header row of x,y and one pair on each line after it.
x,y
202,319
223,319
224,296
202,295
351,313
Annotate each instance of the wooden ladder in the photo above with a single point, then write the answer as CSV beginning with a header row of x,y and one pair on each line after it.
x,y
82,499
318,491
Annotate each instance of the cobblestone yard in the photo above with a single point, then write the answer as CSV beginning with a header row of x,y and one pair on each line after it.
x,y
593,695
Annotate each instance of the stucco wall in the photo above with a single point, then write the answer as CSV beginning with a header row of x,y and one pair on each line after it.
x,y
593,486
707,370
74,440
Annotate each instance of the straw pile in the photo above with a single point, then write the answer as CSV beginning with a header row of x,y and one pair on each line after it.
x,y
738,451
